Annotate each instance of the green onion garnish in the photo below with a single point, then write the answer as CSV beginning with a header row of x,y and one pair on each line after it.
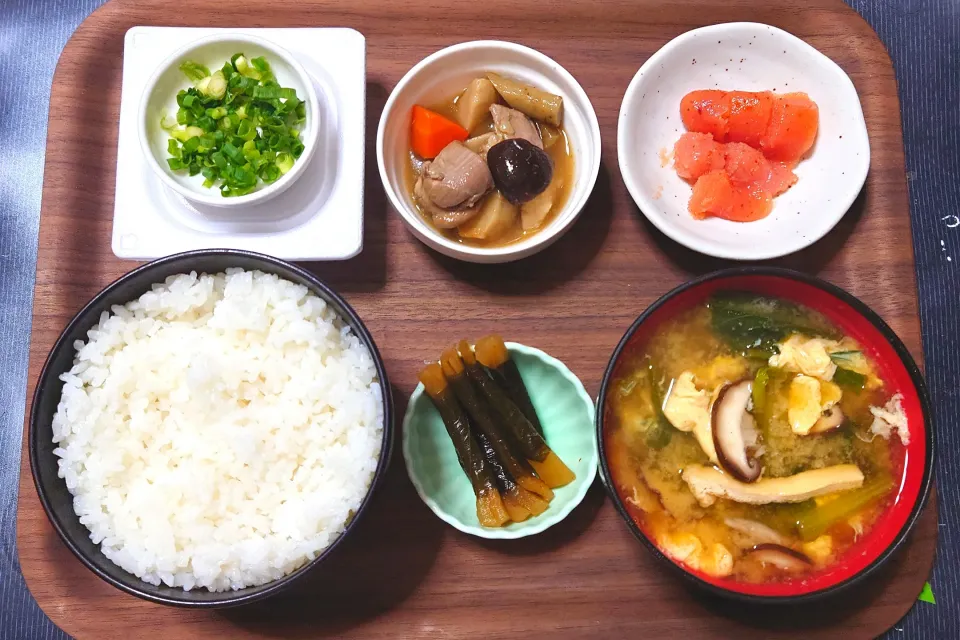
x,y
236,126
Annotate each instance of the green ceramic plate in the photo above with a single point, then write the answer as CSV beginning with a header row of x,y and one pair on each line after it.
x,y
567,415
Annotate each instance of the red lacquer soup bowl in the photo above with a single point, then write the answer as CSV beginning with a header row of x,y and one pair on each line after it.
x,y
913,463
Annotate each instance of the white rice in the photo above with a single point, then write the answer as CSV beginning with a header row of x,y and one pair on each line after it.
x,y
219,431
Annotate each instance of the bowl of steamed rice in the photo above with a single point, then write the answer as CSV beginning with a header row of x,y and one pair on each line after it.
x,y
209,427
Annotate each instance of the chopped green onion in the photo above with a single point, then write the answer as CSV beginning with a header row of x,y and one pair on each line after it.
x,y
243,68
263,69
166,122
195,72
217,112
246,130
266,93
270,173
184,135
191,146
216,86
232,153
284,162
236,126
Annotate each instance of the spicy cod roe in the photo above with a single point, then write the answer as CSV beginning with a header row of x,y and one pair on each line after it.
x,y
740,149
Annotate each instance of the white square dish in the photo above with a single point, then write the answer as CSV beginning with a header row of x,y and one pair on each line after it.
x,y
320,217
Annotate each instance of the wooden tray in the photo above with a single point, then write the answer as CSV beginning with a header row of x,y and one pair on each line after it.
x,y
404,573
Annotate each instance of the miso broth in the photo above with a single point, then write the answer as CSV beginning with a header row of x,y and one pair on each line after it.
x,y
684,487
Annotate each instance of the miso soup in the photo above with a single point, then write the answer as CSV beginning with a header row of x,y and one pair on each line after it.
x,y
751,439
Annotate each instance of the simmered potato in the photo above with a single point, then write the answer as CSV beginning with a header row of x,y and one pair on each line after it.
x,y
497,216
474,105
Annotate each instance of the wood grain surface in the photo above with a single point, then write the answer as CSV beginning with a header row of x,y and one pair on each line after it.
x,y
404,573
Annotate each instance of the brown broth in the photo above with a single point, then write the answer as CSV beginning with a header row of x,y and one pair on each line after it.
x,y
560,153
647,454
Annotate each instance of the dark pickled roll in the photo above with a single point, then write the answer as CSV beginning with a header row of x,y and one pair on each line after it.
x,y
492,353
520,503
530,443
482,417
490,508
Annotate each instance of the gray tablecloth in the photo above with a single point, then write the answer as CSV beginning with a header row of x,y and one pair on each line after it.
x,y
923,37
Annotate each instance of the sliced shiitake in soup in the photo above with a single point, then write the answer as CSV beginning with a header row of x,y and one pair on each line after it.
x,y
830,420
730,420
781,557
757,532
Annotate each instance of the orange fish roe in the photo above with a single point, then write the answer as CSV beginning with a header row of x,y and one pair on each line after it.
x,y
741,148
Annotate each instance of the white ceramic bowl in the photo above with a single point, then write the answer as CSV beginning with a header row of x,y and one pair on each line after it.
x,y
160,95
440,75
751,57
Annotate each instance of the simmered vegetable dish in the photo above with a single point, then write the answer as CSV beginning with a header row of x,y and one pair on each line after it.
x,y
750,438
492,164
495,430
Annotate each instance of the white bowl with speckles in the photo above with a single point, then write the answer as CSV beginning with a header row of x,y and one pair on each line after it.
x,y
744,56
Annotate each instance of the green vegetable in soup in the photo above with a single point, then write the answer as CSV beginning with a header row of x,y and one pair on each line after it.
x,y
850,379
656,397
236,126
816,520
853,360
659,435
759,392
753,325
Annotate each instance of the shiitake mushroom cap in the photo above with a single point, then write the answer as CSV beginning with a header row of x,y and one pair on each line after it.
x,y
521,170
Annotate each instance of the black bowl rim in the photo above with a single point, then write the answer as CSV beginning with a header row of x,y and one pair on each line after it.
x,y
912,369
238,597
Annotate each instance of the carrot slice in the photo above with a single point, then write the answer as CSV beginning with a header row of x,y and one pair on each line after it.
x,y
430,132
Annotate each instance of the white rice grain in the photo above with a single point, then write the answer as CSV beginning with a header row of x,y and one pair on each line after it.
x,y
219,431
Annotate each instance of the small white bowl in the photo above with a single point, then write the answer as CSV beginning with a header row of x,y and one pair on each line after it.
x,y
440,75
750,57
160,96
